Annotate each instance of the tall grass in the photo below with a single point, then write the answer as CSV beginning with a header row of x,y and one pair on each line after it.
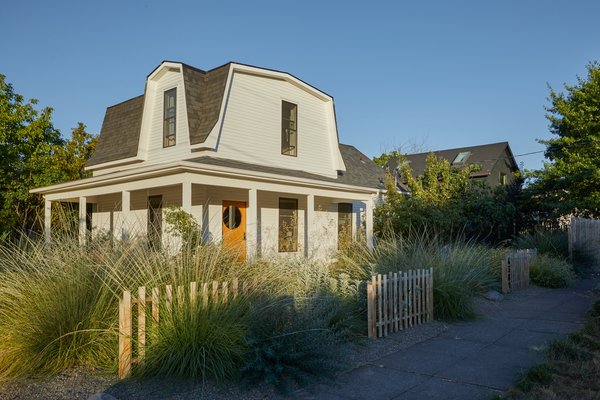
x,y
55,310
58,309
461,268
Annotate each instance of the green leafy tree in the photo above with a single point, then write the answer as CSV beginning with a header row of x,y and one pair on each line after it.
x,y
27,143
70,159
570,182
445,201
33,154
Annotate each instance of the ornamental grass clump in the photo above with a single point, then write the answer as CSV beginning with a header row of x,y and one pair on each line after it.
x,y
551,272
55,310
59,309
461,269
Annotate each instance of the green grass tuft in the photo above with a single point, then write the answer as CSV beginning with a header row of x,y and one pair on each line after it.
x,y
548,271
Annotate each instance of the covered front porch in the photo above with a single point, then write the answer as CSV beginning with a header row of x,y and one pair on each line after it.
x,y
258,217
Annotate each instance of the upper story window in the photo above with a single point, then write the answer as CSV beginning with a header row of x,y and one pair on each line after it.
x,y
169,117
503,179
289,129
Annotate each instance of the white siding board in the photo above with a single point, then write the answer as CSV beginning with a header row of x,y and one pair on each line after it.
x,y
252,126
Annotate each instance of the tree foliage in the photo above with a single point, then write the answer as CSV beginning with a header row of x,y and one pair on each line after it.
x,y
445,201
570,182
33,154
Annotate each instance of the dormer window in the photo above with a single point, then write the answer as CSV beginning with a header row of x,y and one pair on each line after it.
x,y
289,129
169,117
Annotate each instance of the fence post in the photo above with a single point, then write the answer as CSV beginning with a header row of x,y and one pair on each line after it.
x,y
371,310
125,335
505,285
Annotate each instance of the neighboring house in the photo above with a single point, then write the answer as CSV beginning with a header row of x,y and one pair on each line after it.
x,y
251,153
496,161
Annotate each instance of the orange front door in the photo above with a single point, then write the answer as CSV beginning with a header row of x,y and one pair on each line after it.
x,y
233,221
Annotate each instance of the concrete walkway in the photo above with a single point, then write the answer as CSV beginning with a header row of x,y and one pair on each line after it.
x,y
473,360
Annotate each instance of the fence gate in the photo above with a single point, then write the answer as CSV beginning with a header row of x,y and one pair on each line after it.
x,y
399,300
515,269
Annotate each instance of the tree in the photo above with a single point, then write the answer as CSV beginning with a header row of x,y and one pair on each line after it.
x,y
445,201
70,159
570,182
32,154
27,143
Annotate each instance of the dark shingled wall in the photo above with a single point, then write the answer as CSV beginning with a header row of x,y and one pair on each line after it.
x,y
211,98
120,132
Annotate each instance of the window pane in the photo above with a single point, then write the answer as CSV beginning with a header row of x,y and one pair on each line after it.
x,y
289,128
169,117
288,225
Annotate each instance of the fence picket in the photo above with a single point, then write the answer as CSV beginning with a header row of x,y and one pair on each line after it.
x,y
193,293
125,335
169,297
141,321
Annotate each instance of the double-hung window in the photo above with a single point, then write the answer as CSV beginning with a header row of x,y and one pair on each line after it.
x,y
169,117
289,129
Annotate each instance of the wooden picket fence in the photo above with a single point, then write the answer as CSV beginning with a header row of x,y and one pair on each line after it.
x,y
196,294
584,236
515,269
399,300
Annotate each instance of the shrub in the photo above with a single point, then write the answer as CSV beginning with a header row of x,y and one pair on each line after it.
x,y
538,374
294,341
550,272
553,243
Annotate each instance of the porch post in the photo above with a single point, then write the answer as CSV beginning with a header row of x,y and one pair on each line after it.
x,y
252,224
308,224
82,220
186,196
369,223
125,207
47,220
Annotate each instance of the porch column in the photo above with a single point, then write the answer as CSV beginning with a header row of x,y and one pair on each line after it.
x,y
186,197
125,207
308,224
82,220
252,224
47,220
369,223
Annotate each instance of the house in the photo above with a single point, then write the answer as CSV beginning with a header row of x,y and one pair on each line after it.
x,y
251,153
496,161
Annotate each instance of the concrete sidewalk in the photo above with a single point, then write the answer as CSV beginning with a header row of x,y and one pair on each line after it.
x,y
472,360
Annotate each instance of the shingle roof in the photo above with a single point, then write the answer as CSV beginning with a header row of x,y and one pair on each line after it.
x,y
486,156
120,134
204,95
360,170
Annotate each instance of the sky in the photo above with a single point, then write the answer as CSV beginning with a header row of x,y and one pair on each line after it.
x,y
423,75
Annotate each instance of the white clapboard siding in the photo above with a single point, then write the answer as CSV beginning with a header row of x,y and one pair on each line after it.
x,y
252,126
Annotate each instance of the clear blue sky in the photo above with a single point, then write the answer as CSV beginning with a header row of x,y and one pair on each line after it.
x,y
435,74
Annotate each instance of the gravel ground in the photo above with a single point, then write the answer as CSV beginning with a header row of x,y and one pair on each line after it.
x,y
81,384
